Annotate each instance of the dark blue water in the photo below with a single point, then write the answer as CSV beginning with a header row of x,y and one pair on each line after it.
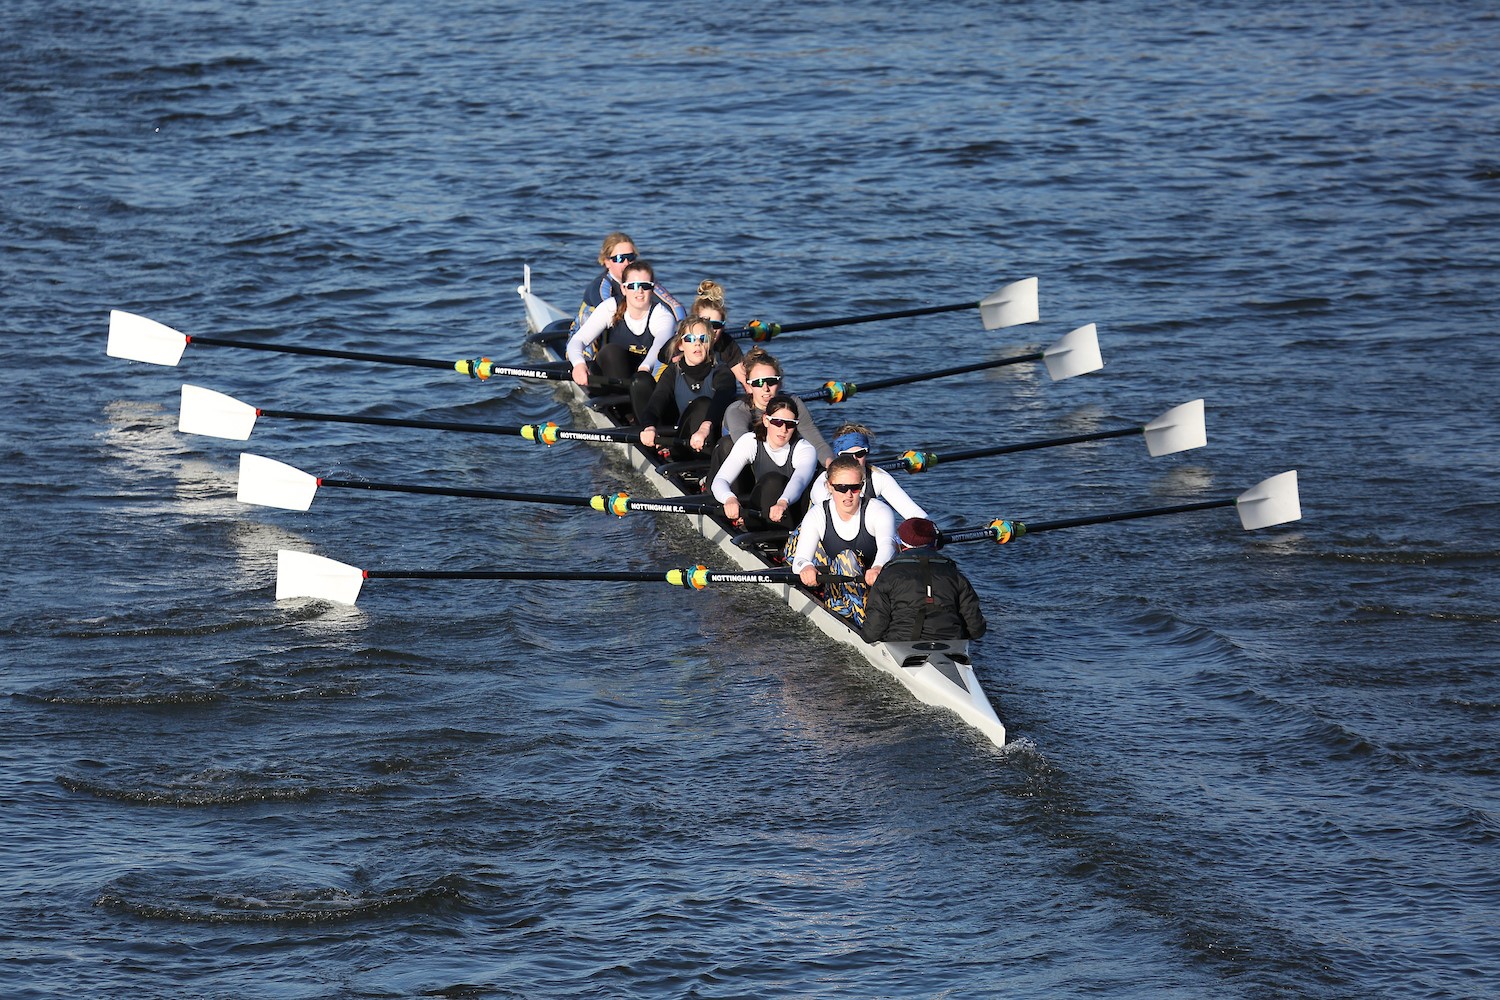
x,y
1257,765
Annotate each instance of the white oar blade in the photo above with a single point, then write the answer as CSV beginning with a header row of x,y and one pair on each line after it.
x,y
1270,501
136,338
1012,305
302,574
215,414
1179,429
1075,354
269,483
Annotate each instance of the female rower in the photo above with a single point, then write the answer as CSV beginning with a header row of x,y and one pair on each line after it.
x,y
631,330
617,250
763,380
710,305
693,392
849,534
855,440
780,462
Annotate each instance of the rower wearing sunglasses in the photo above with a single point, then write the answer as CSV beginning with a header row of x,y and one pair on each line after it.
x,y
849,534
780,463
693,392
764,380
617,250
855,440
629,332
726,350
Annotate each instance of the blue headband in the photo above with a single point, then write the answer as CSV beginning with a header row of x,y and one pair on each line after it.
x,y
854,439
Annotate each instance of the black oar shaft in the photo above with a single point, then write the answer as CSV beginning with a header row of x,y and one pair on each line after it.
x,y
960,370
607,435
823,324
837,392
627,576
324,352
449,491
433,425
1128,515
944,457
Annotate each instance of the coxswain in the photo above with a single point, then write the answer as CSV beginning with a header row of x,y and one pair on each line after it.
x,y
848,534
921,594
626,334
781,465
692,392
615,252
855,441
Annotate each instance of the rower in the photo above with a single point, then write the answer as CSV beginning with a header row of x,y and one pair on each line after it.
x,y
693,393
855,440
709,304
617,250
630,331
780,462
921,594
849,534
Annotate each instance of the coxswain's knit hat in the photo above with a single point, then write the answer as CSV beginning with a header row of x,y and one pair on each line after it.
x,y
917,532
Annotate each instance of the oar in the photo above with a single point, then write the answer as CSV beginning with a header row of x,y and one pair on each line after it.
x,y
1010,306
1075,354
1269,502
1179,429
269,483
302,574
136,338
205,411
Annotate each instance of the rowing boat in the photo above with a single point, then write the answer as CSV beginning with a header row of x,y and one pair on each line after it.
x,y
936,672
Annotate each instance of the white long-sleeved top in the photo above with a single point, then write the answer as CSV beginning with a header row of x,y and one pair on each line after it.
x,y
879,518
885,487
659,322
804,464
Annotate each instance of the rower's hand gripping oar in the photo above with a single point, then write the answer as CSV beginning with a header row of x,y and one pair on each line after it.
x,y
1179,429
1075,354
136,338
302,574
269,483
1012,305
1269,502
215,414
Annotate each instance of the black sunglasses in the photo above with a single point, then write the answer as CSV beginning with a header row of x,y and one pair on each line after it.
x,y
846,487
623,258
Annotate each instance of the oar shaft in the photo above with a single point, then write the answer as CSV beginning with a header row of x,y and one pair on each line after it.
x,y
837,392
450,491
961,370
604,435
1128,515
824,324
323,352
626,576
945,457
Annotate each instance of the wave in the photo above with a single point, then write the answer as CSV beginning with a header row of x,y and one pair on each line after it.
x,y
142,896
223,788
